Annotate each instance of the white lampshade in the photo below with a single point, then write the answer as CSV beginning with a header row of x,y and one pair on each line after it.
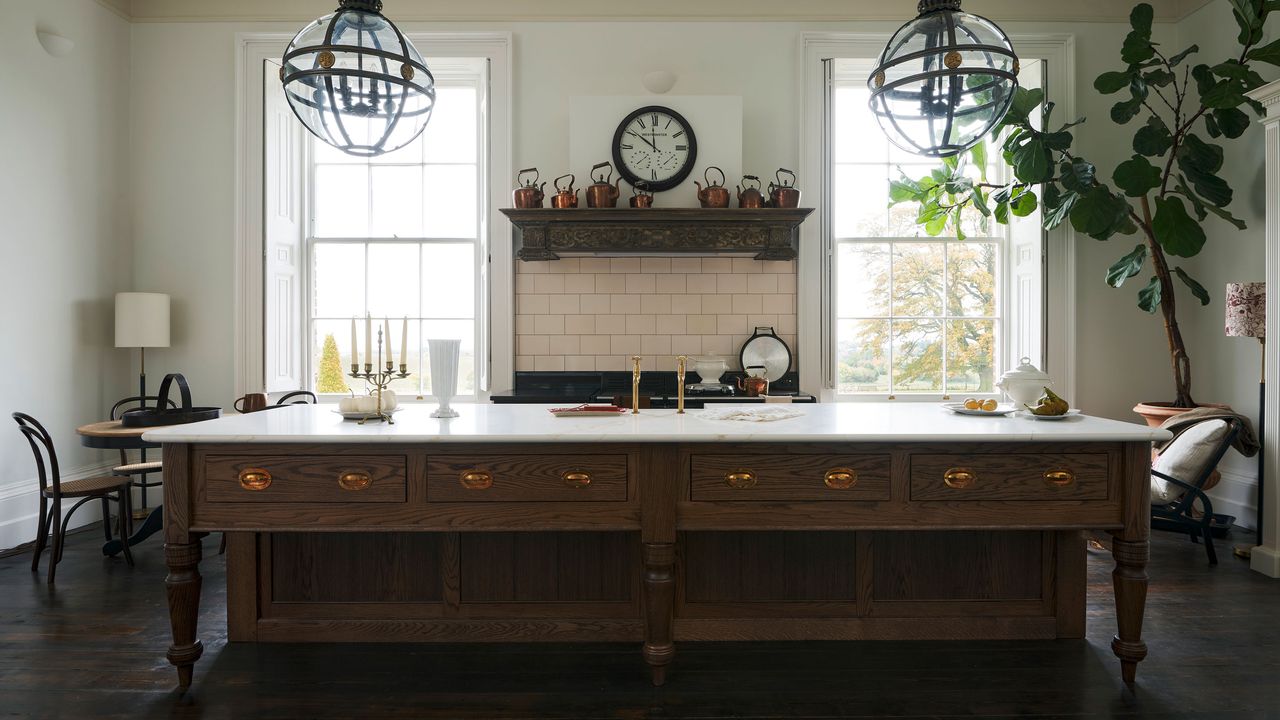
x,y
142,320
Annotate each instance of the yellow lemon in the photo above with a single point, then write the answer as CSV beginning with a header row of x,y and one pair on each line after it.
x,y
972,404
989,405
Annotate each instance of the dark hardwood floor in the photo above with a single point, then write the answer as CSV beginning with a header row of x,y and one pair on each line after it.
x,y
94,648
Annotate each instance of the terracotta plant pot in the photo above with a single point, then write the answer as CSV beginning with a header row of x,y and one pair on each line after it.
x,y
1156,413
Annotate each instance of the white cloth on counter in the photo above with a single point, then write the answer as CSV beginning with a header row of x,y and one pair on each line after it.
x,y
751,414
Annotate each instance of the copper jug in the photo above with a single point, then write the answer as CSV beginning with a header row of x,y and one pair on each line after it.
x,y
641,195
565,197
528,193
715,194
750,197
755,383
601,194
783,194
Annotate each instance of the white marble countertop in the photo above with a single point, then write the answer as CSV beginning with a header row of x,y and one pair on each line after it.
x,y
827,422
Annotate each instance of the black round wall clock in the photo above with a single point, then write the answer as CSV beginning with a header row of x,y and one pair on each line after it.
x,y
657,145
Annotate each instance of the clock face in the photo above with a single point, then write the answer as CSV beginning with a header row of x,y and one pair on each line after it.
x,y
656,145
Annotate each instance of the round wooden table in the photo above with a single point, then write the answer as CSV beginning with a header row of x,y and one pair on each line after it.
x,y
113,435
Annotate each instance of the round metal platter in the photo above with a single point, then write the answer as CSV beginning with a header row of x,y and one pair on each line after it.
x,y
767,350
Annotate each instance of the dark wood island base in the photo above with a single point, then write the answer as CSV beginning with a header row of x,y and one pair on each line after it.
x,y
655,542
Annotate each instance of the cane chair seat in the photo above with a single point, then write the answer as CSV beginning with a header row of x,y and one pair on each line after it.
x,y
88,487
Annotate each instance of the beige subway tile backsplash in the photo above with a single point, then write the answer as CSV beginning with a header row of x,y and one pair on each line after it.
x,y
585,314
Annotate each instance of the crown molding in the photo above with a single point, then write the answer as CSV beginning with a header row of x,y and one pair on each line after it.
x,y
668,10
123,8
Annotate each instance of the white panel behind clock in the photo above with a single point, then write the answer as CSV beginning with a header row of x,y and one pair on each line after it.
x,y
716,120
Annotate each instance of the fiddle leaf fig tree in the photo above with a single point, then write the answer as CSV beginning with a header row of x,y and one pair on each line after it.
x,y
1162,195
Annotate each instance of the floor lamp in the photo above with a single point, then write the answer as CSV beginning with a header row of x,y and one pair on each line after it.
x,y
1247,317
142,321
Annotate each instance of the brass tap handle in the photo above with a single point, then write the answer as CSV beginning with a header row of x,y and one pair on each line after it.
x,y
958,478
354,480
740,479
841,478
253,478
635,385
1060,478
576,478
476,480
680,372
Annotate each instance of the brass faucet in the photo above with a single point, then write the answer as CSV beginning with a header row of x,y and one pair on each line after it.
x,y
680,361
635,385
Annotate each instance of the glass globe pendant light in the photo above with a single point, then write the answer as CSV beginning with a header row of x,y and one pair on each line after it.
x,y
944,80
356,82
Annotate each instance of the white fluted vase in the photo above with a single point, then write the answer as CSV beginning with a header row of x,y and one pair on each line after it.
x,y
444,374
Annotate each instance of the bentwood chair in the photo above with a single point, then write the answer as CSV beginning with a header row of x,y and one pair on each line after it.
x,y
143,467
1178,477
52,488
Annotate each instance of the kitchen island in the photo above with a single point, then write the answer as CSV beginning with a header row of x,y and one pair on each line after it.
x,y
890,521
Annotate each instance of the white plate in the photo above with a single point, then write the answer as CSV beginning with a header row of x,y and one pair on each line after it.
x,y
361,415
1070,413
1000,410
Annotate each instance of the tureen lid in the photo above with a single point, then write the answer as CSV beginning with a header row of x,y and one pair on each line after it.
x,y
1026,371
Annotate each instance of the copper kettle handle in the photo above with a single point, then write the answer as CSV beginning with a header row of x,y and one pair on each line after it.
x,y
607,176
745,178
706,175
641,187
521,183
556,182
778,176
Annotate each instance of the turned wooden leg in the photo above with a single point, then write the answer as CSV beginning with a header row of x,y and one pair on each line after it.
x,y
1130,581
182,585
659,597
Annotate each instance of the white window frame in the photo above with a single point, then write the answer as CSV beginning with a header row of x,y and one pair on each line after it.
x,y
816,262
495,361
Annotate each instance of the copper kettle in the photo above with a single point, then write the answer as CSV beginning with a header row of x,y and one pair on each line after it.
x,y
528,193
755,383
715,194
641,195
601,194
565,197
783,193
750,197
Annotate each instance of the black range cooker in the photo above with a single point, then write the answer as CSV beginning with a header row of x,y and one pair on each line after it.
x,y
658,389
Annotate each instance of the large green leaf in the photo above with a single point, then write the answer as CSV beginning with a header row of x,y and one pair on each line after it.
x,y
1149,296
1176,231
1153,139
1159,77
1124,111
1136,176
1224,94
1057,206
1111,82
1099,213
1024,101
1137,48
978,154
1024,204
1202,208
1176,60
1196,288
1141,17
1199,154
1269,53
1077,175
900,191
1033,162
1234,70
1200,161
1127,266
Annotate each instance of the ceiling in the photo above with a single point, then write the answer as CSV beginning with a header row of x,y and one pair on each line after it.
x,y
717,10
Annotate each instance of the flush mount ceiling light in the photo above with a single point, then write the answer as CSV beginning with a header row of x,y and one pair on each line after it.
x,y
356,82
944,80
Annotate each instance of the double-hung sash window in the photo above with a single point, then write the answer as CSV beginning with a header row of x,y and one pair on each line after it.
x,y
400,237
917,316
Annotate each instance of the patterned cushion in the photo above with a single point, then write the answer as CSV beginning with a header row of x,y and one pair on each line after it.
x,y
1185,459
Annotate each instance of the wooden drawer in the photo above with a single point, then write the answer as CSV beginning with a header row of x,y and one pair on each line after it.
x,y
1047,476
527,478
292,478
790,478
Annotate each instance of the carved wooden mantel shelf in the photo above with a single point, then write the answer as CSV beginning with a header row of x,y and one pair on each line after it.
x,y
546,234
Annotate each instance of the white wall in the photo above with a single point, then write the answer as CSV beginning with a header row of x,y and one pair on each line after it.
x,y
65,245
1226,369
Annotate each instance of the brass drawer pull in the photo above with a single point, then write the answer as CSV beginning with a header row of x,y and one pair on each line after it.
x,y
255,479
354,480
958,478
1061,478
476,480
576,478
840,478
740,479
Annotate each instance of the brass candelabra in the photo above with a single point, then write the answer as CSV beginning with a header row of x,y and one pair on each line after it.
x,y
381,380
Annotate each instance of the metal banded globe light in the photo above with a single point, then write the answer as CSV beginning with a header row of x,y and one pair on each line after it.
x,y
944,80
356,82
